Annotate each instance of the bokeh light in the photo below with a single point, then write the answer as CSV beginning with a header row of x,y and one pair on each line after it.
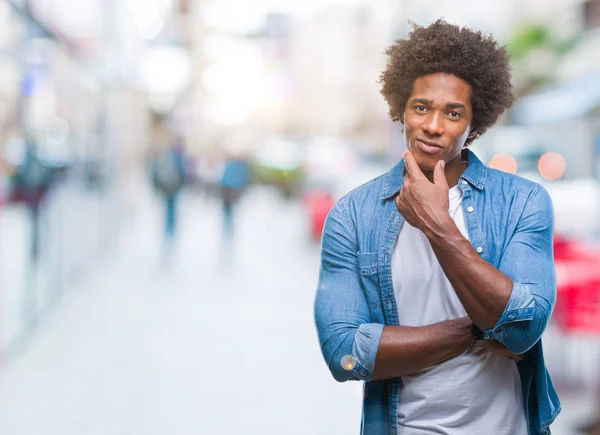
x,y
504,162
552,166
348,362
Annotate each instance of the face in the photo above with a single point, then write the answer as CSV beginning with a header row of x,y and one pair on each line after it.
x,y
437,119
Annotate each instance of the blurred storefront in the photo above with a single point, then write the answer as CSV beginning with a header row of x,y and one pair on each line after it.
x,y
66,115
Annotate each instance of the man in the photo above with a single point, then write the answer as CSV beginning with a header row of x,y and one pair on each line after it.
x,y
168,178
33,180
437,279
234,180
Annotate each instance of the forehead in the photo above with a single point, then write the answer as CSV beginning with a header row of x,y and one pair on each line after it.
x,y
442,88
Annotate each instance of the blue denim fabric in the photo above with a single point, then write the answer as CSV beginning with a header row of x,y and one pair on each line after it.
x,y
511,221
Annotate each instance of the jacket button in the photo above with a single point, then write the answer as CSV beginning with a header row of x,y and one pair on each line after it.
x,y
470,209
463,182
479,249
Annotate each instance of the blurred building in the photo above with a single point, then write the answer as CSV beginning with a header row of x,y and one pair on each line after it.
x,y
76,84
89,80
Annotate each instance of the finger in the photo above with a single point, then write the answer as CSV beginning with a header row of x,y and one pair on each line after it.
x,y
499,348
487,345
439,176
399,198
494,346
412,168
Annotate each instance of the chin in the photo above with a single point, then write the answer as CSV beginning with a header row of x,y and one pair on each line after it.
x,y
426,163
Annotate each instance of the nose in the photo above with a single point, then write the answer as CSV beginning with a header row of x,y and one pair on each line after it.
x,y
434,124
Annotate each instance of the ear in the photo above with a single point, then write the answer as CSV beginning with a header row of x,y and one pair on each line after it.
x,y
472,135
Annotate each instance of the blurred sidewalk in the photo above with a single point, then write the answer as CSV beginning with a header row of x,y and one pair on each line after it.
x,y
71,238
211,344
220,341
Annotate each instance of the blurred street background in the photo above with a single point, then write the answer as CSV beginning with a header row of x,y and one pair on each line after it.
x,y
165,170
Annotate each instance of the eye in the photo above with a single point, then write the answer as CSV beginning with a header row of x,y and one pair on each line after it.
x,y
454,114
420,109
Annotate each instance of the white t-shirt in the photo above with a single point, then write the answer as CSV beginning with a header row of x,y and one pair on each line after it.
x,y
477,392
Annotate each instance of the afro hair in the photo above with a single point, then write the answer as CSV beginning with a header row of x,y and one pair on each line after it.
x,y
446,48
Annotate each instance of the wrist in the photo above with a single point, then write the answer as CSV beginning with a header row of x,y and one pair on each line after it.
x,y
476,332
477,335
462,333
442,231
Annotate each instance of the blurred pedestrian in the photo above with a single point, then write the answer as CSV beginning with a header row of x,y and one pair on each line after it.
x,y
437,279
168,177
33,179
235,179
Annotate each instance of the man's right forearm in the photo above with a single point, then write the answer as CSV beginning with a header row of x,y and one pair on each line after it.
x,y
404,350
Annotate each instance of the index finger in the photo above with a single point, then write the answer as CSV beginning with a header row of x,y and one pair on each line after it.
x,y
412,168
497,347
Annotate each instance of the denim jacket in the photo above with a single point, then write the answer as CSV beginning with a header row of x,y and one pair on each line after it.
x,y
510,224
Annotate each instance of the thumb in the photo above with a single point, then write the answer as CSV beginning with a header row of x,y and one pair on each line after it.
x,y
439,176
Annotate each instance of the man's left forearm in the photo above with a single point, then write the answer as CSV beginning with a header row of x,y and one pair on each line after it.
x,y
483,290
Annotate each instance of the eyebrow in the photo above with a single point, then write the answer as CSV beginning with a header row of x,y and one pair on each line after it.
x,y
455,106
427,102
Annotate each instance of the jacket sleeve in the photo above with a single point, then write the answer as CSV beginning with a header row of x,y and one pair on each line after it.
x,y
348,340
529,261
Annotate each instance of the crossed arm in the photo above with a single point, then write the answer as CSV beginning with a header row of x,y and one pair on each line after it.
x,y
512,318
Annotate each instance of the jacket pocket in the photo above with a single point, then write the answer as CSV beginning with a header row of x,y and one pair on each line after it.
x,y
368,267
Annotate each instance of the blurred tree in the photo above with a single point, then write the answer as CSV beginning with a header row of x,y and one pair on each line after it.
x,y
528,38
535,49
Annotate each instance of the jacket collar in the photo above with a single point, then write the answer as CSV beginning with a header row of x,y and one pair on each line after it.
x,y
475,174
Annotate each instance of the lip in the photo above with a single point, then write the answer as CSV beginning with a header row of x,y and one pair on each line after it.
x,y
429,147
